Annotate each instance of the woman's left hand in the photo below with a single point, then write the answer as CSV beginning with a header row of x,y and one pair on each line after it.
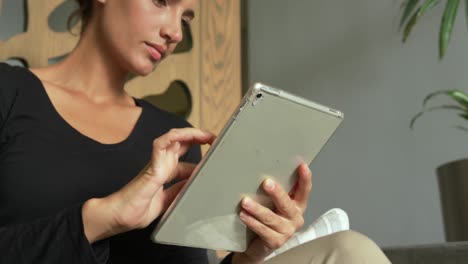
x,y
274,228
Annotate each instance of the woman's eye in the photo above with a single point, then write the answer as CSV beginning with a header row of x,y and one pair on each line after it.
x,y
160,2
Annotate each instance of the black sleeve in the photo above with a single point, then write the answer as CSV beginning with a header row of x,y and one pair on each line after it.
x,y
55,239
184,255
8,92
227,259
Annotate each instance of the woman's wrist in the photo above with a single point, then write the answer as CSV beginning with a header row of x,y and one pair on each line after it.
x,y
98,222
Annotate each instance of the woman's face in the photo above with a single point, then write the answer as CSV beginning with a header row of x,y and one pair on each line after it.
x,y
140,33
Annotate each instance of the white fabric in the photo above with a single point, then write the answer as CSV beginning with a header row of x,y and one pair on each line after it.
x,y
333,221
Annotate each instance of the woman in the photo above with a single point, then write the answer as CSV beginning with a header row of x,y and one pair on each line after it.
x,y
83,164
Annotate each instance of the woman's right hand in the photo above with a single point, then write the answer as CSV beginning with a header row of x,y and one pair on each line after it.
x,y
144,198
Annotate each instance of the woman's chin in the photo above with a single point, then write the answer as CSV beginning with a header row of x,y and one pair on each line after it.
x,y
144,68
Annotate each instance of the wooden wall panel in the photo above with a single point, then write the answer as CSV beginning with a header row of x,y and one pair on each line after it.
x,y
39,43
220,61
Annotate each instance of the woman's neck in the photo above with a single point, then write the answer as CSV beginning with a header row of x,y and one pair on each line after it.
x,y
90,69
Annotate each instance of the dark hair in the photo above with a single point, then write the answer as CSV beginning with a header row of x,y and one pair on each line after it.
x,y
83,13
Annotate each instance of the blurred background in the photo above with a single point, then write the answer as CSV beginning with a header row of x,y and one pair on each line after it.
x,y
349,55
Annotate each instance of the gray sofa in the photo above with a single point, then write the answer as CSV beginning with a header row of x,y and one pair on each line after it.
x,y
444,253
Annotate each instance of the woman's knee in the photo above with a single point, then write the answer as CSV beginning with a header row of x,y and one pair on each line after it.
x,y
347,247
351,245
350,240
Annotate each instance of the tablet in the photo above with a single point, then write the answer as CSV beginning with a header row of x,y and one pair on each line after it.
x,y
269,135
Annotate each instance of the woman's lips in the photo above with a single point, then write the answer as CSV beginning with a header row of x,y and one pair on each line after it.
x,y
154,52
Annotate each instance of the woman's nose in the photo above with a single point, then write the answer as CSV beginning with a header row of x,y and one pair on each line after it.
x,y
173,32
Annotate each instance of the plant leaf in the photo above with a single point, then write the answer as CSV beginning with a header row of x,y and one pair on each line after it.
x,y
459,96
462,128
466,11
464,116
446,25
447,107
426,6
410,6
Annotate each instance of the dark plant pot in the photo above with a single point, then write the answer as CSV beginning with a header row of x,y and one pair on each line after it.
x,y
453,186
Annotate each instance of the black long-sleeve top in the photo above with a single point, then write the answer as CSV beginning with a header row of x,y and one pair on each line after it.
x,y
48,170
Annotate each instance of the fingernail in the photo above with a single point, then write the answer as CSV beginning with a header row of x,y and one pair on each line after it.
x,y
243,215
247,202
269,184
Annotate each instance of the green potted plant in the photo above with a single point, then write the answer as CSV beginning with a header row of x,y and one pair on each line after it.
x,y
452,176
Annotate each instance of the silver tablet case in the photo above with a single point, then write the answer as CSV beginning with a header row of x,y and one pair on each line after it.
x,y
269,135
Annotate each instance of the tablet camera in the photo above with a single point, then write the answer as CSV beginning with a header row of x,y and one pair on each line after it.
x,y
258,98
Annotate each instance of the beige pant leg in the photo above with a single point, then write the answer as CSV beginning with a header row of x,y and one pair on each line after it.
x,y
343,247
